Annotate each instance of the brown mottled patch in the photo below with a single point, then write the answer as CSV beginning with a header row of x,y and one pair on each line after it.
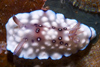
x,y
87,5
92,59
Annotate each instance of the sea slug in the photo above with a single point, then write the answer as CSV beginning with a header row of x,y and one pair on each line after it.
x,y
45,34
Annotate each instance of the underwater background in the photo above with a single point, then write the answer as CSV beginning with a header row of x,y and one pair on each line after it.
x,y
90,57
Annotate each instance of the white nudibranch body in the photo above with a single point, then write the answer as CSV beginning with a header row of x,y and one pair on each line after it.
x,y
44,34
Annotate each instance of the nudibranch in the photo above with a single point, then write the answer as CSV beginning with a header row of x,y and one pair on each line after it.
x,y
87,5
46,34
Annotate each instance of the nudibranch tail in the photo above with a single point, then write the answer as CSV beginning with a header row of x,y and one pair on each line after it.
x,y
93,33
48,35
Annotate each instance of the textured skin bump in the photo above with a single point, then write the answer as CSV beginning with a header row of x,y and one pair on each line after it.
x,y
46,34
